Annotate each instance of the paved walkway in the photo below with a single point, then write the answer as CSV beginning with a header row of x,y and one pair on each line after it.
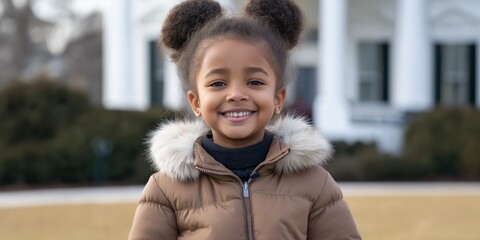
x,y
130,194
97,195
411,189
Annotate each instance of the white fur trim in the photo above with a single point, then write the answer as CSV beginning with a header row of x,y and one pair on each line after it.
x,y
171,147
308,148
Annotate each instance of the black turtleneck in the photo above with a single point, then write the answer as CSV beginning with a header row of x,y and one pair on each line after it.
x,y
241,161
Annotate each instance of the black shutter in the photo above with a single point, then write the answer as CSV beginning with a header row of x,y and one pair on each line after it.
x,y
385,52
472,86
156,81
437,72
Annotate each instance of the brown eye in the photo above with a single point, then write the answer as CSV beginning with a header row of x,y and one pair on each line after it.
x,y
217,84
255,82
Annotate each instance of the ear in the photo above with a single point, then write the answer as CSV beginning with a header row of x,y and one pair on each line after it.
x,y
279,99
194,102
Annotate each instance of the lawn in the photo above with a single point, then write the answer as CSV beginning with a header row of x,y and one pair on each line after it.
x,y
417,218
392,218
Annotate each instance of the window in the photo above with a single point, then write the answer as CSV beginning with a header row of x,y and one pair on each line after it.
x,y
156,75
455,74
373,66
305,90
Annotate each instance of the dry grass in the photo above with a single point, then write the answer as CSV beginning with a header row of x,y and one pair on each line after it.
x,y
392,218
417,218
67,222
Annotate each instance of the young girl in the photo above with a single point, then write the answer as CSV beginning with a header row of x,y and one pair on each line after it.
x,y
233,174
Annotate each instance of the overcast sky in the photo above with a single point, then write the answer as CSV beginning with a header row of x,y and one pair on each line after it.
x,y
81,7
64,29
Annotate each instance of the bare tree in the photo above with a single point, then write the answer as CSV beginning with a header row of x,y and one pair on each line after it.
x,y
82,58
23,41
31,45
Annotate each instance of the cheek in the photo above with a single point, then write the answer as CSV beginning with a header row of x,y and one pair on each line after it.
x,y
267,100
209,100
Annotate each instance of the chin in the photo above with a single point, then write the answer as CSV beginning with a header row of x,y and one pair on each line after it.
x,y
238,136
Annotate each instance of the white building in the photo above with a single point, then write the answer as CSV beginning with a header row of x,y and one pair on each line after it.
x,y
364,66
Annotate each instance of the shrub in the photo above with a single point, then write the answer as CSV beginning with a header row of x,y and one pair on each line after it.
x,y
50,135
442,144
347,162
364,162
36,111
123,135
446,141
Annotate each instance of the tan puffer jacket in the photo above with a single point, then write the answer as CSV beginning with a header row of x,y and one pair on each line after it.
x,y
194,197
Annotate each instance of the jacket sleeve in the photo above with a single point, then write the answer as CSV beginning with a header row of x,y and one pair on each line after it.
x,y
154,217
330,217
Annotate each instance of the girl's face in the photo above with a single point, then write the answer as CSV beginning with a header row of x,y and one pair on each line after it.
x,y
236,92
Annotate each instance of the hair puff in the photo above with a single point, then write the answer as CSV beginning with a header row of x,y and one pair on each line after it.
x,y
283,15
184,20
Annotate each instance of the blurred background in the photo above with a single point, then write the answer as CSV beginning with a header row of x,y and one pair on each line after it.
x,y
394,84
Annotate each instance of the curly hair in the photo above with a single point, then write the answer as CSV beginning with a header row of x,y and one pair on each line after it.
x,y
275,24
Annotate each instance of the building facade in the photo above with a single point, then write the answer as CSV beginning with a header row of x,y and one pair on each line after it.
x,y
363,66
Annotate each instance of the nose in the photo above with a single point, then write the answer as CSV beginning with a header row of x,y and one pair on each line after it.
x,y
236,93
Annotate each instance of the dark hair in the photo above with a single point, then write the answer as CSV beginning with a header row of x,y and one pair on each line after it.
x,y
276,24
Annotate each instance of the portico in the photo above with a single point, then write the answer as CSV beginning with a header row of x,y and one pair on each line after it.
x,y
410,89
371,65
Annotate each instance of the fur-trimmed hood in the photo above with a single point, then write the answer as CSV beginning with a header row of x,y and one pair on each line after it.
x,y
171,147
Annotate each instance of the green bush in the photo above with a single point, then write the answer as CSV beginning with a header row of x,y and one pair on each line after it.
x,y
388,168
364,162
52,135
442,144
124,134
348,160
446,142
36,111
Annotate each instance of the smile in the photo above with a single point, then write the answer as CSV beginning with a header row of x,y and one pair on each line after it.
x,y
238,114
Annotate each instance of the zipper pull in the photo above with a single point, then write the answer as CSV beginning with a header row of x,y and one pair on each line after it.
x,y
246,194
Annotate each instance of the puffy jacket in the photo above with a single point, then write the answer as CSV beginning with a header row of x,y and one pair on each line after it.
x,y
290,196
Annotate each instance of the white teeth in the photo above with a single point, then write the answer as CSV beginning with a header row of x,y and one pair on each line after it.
x,y
237,114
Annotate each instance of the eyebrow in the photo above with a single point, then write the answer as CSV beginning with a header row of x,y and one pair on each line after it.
x,y
256,70
219,71
222,71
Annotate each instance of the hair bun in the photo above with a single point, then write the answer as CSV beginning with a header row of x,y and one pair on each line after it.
x,y
283,15
184,20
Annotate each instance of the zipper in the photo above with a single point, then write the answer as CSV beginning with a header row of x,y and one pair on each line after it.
x,y
245,190
248,209
245,194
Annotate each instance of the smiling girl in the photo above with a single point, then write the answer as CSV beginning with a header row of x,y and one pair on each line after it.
x,y
233,173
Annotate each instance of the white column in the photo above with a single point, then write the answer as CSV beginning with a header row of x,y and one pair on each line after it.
x,y
139,67
412,88
331,106
174,97
116,45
